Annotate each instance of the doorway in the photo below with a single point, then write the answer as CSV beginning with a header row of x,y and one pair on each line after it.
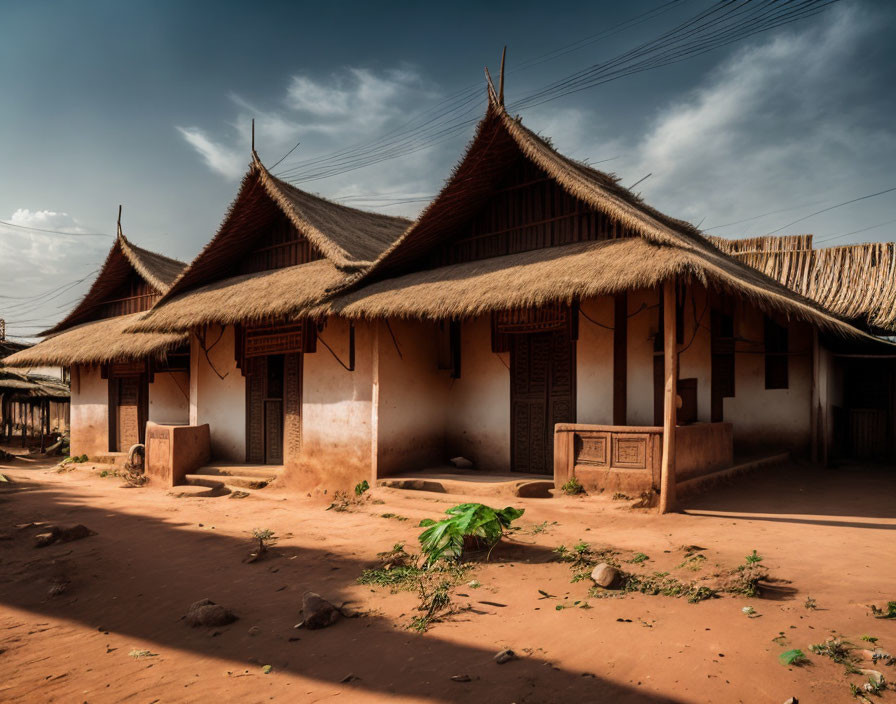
x,y
128,411
265,386
542,394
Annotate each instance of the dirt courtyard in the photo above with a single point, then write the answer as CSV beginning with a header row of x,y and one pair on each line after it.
x,y
74,616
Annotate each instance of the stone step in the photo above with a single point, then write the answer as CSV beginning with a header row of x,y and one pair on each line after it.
x,y
266,472
524,488
211,480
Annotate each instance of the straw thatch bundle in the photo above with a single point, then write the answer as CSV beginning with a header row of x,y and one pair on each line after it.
x,y
157,270
16,384
278,293
857,282
97,342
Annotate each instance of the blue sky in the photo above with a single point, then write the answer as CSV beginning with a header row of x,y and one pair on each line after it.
x,y
148,105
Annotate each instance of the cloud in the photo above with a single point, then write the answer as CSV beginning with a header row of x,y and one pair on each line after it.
x,y
225,160
46,220
777,125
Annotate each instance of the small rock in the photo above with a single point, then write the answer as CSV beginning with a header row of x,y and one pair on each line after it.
x,y
318,612
205,612
876,677
461,462
254,631
604,575
461,678
77,532
505,655
792,700
349,678
41,540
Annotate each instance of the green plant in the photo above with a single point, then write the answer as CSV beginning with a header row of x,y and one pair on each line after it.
x,y
835,649
434,602
693,562
795,657
889,612
753,558
395,516
619,496
810,603
467,524
572,487
745,579
361,487
870,639
265,538
638,558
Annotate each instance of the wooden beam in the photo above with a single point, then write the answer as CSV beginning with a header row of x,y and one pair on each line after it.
x,y
814,398
670,400
620,358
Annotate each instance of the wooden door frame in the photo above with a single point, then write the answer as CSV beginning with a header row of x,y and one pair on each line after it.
x,y
291,407
571,340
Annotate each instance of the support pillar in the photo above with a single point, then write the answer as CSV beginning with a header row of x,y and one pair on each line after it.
x,y
814,400
668,501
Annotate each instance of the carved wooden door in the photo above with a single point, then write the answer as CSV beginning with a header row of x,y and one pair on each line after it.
x,y
264,409
542,393
130,416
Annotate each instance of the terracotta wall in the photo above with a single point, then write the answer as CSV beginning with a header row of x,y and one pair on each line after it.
x,y
642,327
477,424
594,362
169,398
413,397
337,412
219,402
89,411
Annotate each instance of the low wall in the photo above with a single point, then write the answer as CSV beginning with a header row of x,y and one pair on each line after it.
x,y
628,458
173,451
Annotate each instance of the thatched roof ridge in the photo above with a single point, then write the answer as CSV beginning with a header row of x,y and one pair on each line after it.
x,y
21,385
97,342
856,281
498,140
567,273
156,269
278,293
349,238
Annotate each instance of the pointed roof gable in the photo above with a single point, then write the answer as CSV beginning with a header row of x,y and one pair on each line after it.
x,y
349,238
155,269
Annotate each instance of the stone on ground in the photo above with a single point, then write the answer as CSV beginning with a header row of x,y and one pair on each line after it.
x,y
605,575
317,612
205,612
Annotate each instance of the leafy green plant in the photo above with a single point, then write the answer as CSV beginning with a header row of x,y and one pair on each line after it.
x,y
753,558
834,648
794,657
693,562
361,487
810,603
467,525
572,487
870,639
638,558
395,516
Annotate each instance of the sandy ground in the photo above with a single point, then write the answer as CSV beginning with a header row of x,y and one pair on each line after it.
x,y
824,534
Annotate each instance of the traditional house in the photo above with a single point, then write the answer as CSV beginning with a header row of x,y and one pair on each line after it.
x,y
119,381
272,386
536,319
857,282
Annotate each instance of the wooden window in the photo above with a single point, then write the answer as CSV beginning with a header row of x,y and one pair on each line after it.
x,y
722,361
776,345
449,347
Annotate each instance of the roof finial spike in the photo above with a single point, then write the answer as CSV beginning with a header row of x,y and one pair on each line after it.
x,y
253,135
501,78
489,86
119,219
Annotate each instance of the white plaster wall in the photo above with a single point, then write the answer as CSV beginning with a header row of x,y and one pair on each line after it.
x,y
337,411
594,362
169,398
769,418
89,412
413,397
219,402
643,324
477,424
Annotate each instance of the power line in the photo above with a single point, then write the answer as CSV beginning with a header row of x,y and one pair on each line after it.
x,y
824,210
55,232
830,238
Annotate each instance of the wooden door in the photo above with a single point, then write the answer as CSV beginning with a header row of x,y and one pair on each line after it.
x,y
128,411
264,409
542,394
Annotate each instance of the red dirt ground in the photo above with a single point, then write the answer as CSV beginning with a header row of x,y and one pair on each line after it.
x,y
824,534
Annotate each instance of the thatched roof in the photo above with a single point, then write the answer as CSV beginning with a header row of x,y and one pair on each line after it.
x,y
349,238
157,270
854,281
97,342
663,247
24,386
564,274
279,293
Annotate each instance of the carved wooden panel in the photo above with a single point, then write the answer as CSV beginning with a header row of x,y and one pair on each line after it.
x,y
273,431
292,421
593,450
128,416
255,383
285,339
630,451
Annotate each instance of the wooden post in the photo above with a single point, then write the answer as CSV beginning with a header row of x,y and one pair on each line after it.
x,y
44,410
670,394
